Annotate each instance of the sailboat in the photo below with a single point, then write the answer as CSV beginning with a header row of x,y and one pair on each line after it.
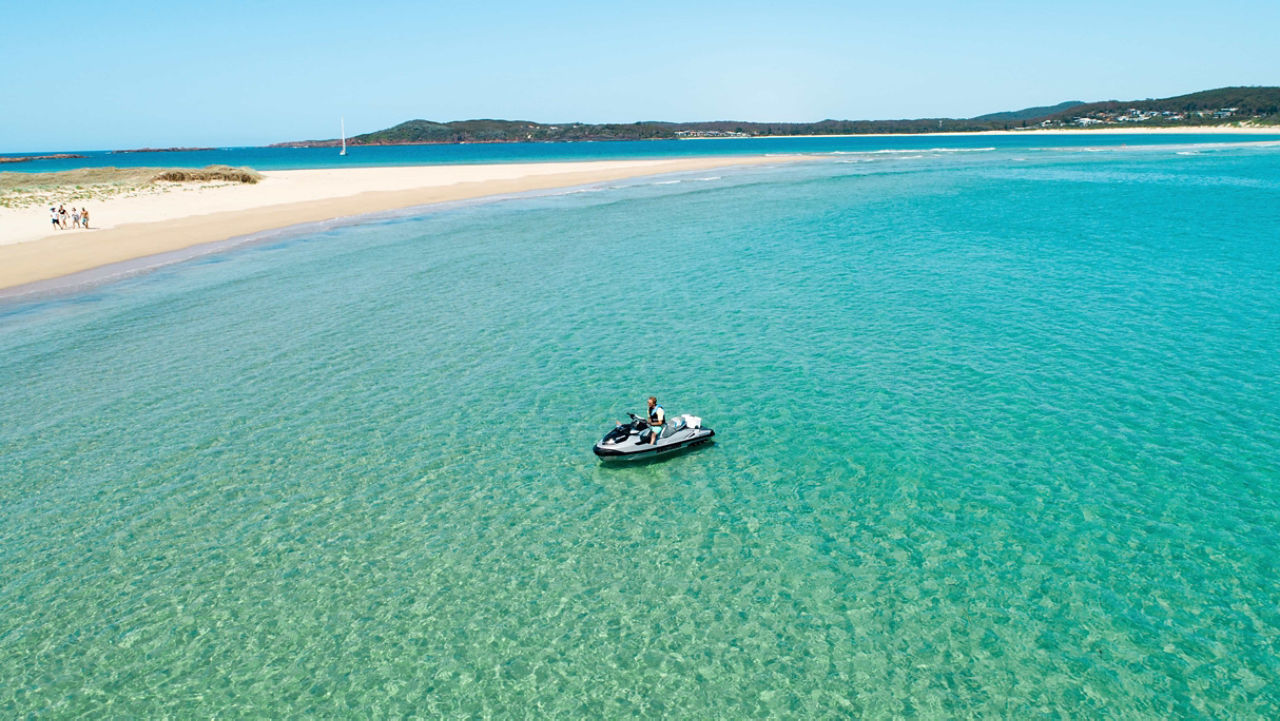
x,y
344,137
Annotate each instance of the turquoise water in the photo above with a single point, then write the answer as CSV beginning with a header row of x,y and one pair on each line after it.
x,y
377,156
998,435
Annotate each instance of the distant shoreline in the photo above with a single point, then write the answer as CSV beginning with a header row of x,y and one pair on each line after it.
x,y
29,158
1108,130
162,219
130,228
159,150
1197,130
1238,106
1192,130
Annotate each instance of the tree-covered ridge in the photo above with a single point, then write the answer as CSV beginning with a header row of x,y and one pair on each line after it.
x,y
1030,113
1259,105
1208,107
1251,101
486,130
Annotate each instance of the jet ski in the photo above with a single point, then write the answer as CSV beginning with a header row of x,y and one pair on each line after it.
x,y
630,441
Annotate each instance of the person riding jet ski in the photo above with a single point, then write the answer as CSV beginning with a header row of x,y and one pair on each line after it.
x,y
652,435
657,419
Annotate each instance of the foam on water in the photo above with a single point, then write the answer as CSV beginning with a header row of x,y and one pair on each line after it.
x,y
995,438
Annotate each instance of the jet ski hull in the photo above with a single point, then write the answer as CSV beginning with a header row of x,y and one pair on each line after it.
x,y
632,449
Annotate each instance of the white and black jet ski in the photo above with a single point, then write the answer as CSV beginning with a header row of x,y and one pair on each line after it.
x,y
630,441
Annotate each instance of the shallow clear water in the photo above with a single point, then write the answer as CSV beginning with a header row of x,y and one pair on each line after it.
x,y
998,434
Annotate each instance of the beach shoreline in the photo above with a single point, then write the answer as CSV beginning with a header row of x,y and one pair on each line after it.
x,y
165,224
1110,130
162,220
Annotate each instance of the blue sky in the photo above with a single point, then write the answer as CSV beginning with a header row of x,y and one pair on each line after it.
x,y
96,75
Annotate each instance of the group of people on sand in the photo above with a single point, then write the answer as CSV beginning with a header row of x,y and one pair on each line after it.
x,y
63,219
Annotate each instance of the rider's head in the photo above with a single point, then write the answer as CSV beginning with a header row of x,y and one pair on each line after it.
x,y
653,401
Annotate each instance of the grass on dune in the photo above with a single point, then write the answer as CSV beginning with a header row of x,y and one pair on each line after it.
x,y
19,190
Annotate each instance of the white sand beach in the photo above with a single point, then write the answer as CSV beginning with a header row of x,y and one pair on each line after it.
x,y
136,226
1108,130
1115,130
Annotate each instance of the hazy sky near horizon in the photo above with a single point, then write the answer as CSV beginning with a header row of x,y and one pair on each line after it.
x,y
95,75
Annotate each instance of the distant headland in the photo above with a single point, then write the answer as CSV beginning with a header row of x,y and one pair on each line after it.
x,y
29,158
160,150
1250,106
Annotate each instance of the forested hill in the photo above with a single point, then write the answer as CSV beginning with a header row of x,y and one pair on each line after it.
x,y
1254,105
1030,113
1231,104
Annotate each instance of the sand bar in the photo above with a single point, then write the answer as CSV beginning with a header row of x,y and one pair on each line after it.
x,y
1107,130
129,228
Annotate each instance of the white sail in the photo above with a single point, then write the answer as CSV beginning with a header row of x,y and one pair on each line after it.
x,y
344,136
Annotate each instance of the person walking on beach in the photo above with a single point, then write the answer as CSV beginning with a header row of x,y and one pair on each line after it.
x,y
657,419
75,218
84,218
53,213
62,216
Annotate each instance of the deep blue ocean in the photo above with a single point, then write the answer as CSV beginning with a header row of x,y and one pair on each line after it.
x,y
998,435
